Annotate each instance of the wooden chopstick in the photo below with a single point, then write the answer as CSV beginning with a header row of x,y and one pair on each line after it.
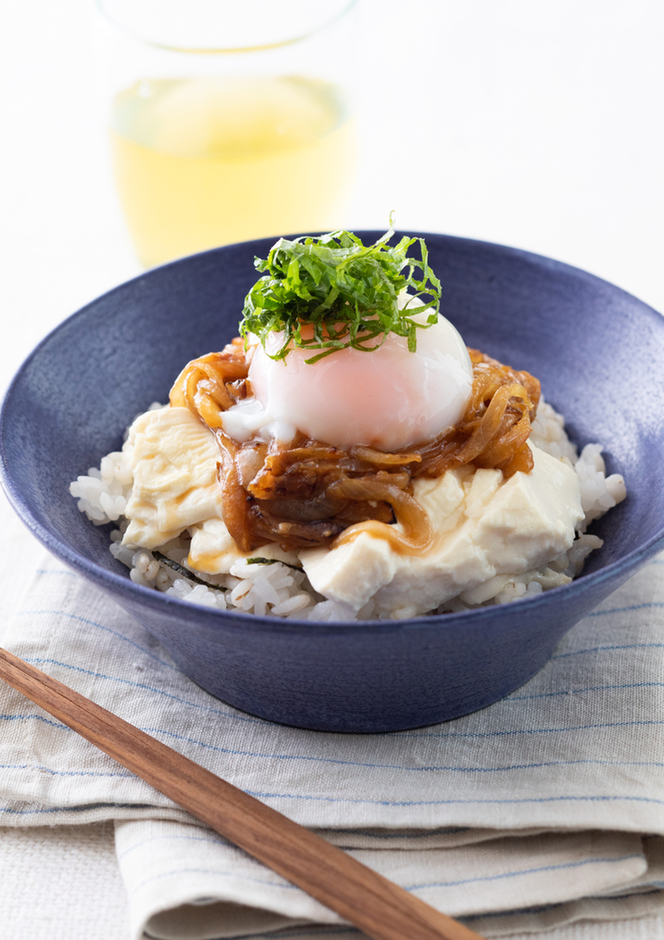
x,y
380,908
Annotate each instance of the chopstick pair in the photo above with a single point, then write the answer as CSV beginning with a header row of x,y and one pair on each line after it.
x,y
380,908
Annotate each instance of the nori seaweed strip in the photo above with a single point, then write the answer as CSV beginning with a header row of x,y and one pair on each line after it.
x,y
185,572
272,561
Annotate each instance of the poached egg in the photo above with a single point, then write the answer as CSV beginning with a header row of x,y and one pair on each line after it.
x,y
387,398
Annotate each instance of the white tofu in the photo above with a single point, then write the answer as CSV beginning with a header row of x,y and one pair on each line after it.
x,y
353,572
483,527
214,551
173,458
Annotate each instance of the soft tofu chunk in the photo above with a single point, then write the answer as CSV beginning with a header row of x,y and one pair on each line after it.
x,y
531,517
173,458
483,527
353,572
213,550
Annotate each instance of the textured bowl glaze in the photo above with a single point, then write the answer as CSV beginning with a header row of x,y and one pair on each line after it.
x,y
589,343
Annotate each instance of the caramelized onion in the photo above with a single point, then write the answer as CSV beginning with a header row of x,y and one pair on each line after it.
x,y
381,459
209,386
416,536
495,426
310,493
233,497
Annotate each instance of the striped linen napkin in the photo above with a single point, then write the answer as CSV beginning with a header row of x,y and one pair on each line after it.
x,y
545,808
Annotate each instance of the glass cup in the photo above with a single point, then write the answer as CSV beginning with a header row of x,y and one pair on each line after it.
x,y
229,121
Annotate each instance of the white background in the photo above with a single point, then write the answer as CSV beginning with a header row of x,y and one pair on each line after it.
x,y
526,122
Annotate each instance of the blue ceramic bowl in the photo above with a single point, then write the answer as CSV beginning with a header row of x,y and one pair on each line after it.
x,y
591,345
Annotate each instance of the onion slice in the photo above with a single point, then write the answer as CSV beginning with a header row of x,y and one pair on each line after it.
x,y
416,535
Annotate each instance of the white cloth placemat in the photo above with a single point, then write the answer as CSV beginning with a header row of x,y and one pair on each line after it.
x,y
63,883
545,808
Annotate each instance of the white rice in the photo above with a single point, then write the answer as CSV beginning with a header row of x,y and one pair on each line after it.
x,y
279,590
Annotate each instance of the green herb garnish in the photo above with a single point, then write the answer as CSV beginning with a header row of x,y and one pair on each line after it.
x,y
344,292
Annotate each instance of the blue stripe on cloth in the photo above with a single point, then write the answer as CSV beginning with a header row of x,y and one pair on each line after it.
x,y
65,773
400,734
524,871
265,795
540,908
37,661
99,626
584,689
651,605
330,799
349,763
517,873
435,768
58,571
423,834
47,721
148,688
602,649
396,834
511,732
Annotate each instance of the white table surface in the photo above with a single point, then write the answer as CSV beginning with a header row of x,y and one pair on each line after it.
x,y
537,125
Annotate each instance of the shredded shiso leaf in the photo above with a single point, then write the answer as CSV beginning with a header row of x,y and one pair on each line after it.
x,y
346,291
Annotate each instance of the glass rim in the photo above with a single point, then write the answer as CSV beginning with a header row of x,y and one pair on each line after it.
x,y
173,25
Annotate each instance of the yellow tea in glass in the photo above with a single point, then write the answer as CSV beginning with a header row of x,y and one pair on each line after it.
x,y
217,146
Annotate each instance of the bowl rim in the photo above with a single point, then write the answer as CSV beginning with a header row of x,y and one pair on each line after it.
x,y
115,583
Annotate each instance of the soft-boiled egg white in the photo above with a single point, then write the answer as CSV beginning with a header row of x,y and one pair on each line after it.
x,y
388,398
